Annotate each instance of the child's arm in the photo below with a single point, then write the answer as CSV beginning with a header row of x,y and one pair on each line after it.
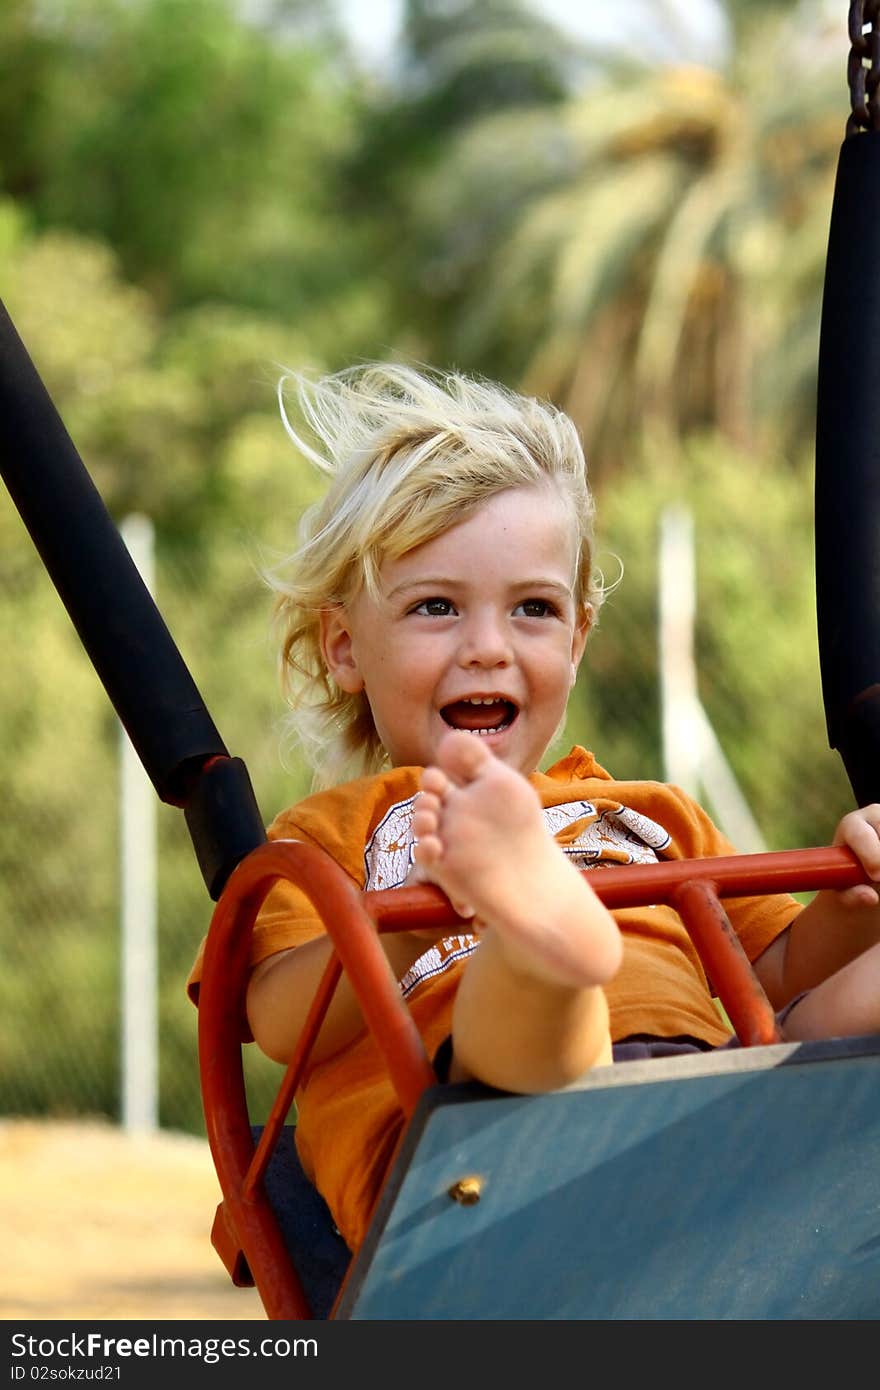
x,y
835,927
281,989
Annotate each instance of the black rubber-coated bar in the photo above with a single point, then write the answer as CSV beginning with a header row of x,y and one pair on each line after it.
x,y
223,820
847,487
111,608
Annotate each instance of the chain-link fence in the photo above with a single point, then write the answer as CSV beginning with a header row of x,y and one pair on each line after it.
x,y
60,844
60,996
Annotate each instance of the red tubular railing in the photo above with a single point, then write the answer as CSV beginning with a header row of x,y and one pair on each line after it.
x,y
246,1214
245,1229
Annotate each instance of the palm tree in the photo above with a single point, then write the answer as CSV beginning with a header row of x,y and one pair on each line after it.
x,y
461,64
648,249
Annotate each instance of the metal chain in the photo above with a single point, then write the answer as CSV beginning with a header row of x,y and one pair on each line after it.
x,y
863,67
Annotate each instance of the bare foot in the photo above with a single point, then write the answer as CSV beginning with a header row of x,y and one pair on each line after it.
x,y
482,838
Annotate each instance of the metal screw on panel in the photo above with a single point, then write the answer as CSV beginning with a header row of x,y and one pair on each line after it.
x,y
467,1190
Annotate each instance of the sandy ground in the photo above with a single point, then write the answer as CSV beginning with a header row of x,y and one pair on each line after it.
x,y
97,1225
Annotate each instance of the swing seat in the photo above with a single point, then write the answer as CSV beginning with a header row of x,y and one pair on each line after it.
x,y
736,1184
741,1184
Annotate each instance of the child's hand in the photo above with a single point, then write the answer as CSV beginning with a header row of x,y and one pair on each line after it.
x,y
860,832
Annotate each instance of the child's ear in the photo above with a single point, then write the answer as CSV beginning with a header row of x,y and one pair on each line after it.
x,y
338,651
583,623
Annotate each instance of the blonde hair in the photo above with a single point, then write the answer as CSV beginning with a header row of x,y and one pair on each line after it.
x,y
409,454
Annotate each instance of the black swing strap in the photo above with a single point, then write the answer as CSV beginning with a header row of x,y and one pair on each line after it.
x,y
847,486
118,623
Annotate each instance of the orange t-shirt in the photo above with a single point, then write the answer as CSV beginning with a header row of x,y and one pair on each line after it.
x,y
348,1117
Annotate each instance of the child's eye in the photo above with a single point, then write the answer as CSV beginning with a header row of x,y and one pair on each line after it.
x,y
536,608
434,607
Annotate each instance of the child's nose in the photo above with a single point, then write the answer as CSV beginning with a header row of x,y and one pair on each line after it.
x,y
485,641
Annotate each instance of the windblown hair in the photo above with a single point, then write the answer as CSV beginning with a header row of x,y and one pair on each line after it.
x,y
409,454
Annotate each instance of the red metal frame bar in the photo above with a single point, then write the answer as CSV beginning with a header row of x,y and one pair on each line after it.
x,y
246,1233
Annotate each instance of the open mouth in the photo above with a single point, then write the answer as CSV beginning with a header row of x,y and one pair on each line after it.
x,y
480,714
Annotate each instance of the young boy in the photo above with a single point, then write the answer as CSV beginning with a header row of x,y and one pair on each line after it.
x,y
434,615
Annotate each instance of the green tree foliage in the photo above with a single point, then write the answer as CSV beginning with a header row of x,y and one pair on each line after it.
x,y
647,247
458,65
176,417
171,242
197,144
755,638
193,194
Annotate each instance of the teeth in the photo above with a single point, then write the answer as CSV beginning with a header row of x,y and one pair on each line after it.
x,y
484,733
483,700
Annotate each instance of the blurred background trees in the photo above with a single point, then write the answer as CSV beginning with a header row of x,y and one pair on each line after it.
x,y
193,192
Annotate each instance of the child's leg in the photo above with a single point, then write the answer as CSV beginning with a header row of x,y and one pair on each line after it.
x,y
847,1004
530,1013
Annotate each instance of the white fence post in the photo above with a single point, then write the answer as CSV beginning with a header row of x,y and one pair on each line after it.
x,y
692,755
140,1067
678,675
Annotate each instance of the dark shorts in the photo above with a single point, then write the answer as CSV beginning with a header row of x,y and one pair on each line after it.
x,y
637,1048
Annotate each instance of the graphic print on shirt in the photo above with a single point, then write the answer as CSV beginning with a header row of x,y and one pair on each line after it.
x,y
437,959
600,833
594,834
388,856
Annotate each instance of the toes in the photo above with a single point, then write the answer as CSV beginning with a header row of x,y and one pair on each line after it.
x,y
434,783
462,756
426,817
428,851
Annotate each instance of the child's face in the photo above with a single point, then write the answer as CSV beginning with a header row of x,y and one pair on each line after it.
x,y
475,629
